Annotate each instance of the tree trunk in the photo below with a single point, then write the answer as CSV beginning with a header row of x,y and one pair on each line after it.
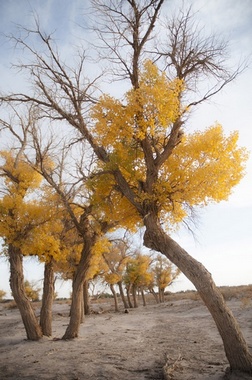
x,y
86,298
161,295
152,291
72,330
143,297
235,346
128,289
134,293
125,304
115,297
82,305
47,299
32,328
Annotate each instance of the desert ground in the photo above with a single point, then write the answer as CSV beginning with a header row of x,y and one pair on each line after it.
x,y
174,340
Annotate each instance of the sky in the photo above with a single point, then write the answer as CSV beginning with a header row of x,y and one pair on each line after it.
x,y
222,239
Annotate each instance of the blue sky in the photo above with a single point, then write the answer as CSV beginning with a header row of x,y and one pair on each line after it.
x,y
223,236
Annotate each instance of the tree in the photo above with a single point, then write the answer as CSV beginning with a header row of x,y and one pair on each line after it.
x,y
138,275
115,260
31,214
148,130
31,291
17,216
164,275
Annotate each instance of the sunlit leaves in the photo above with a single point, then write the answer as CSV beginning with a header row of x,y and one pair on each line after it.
x,y
203,167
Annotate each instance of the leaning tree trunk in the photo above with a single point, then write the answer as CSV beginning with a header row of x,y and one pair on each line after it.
x,y
126,306
128,290
73,327
47,299
32,328
115,297
235,346
152,291
143,297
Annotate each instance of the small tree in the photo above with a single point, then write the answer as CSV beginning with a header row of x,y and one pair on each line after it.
x,y
138,275
32,291
164,275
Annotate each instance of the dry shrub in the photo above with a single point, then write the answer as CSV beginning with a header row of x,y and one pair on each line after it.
x,y
245,302
238,292
10,305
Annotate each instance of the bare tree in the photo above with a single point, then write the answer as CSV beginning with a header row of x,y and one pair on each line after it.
x,y
62,95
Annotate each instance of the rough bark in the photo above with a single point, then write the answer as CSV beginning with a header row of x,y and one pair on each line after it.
x,y
47,300
125,304
86,298
72,330
235,346
32,328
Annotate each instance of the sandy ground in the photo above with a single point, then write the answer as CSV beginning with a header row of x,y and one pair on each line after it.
x,y
179,334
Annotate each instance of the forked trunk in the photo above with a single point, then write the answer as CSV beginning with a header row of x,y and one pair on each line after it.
x,y
32,328
152,291
47,299
235,346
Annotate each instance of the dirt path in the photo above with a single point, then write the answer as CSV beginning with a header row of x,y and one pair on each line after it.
x,y
113,346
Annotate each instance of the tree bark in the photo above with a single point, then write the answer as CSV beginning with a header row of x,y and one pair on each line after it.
x,y
72,330
125,304
115,297
32,328
47,299
134,291
82,305
86,298
235,346
73,327
152,291
161,295
128,289
143,297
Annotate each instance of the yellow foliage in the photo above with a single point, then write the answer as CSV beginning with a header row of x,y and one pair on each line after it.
x,y
203,167
23,176
31,215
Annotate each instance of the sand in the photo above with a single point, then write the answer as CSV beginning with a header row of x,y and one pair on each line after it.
x,y
178,335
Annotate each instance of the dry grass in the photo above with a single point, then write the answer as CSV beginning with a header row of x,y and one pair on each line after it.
x,y
243,293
